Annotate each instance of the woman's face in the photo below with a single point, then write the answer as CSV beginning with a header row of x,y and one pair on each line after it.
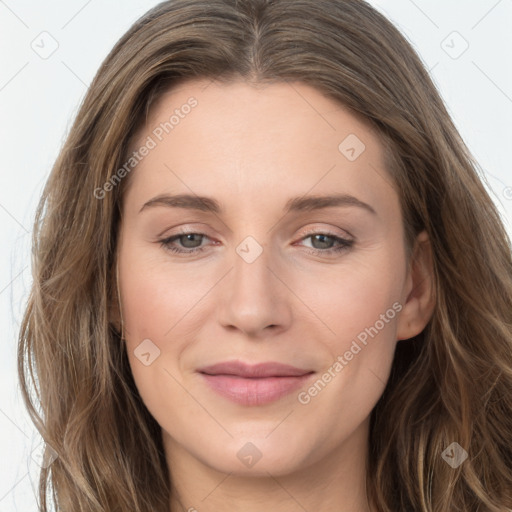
x,y
296,257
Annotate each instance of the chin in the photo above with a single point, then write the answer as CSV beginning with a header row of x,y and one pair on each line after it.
x,y
256,457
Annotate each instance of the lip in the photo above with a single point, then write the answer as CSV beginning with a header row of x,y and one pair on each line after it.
x,y
252,385
240,369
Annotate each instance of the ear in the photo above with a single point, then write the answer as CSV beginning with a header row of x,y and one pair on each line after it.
x,y
418,294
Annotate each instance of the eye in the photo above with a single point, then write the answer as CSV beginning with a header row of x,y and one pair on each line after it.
x,y
191,242
322,243
327,243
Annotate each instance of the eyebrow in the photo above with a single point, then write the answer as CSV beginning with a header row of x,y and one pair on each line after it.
x,y
297,204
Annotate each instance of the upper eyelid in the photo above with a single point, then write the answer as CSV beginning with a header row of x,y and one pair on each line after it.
x,y
302,235
326,231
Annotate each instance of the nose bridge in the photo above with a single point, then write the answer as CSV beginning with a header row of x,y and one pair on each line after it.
x,y
253,299
251,268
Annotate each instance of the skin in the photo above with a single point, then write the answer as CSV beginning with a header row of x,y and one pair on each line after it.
x,y
252,148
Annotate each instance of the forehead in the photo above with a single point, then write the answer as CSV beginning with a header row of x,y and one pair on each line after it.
x,y
239,107
246,141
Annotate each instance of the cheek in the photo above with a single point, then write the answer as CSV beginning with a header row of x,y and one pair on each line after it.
x,y
152,304
155,296
360,298
361,306
155,303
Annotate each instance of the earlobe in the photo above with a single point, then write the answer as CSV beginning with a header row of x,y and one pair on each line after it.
x,y
418,294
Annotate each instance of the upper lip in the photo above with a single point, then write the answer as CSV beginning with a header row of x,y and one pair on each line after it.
x,y
240,369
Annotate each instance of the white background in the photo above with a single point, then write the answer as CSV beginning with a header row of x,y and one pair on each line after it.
x,y
39,97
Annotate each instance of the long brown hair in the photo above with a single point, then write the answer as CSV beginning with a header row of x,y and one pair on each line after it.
x,y
452,383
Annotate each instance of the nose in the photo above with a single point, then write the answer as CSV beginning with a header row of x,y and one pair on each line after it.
x,y
253,298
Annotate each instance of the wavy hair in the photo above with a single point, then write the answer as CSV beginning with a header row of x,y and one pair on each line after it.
x,y
452,382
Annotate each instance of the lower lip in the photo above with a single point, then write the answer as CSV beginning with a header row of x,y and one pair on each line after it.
x,y
254,391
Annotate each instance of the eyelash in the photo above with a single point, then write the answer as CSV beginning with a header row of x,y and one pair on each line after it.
x,y
345,244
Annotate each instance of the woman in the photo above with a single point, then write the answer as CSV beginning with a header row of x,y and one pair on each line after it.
x,y
268,277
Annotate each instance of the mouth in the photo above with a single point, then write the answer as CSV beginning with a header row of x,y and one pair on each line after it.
x,y
253,385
